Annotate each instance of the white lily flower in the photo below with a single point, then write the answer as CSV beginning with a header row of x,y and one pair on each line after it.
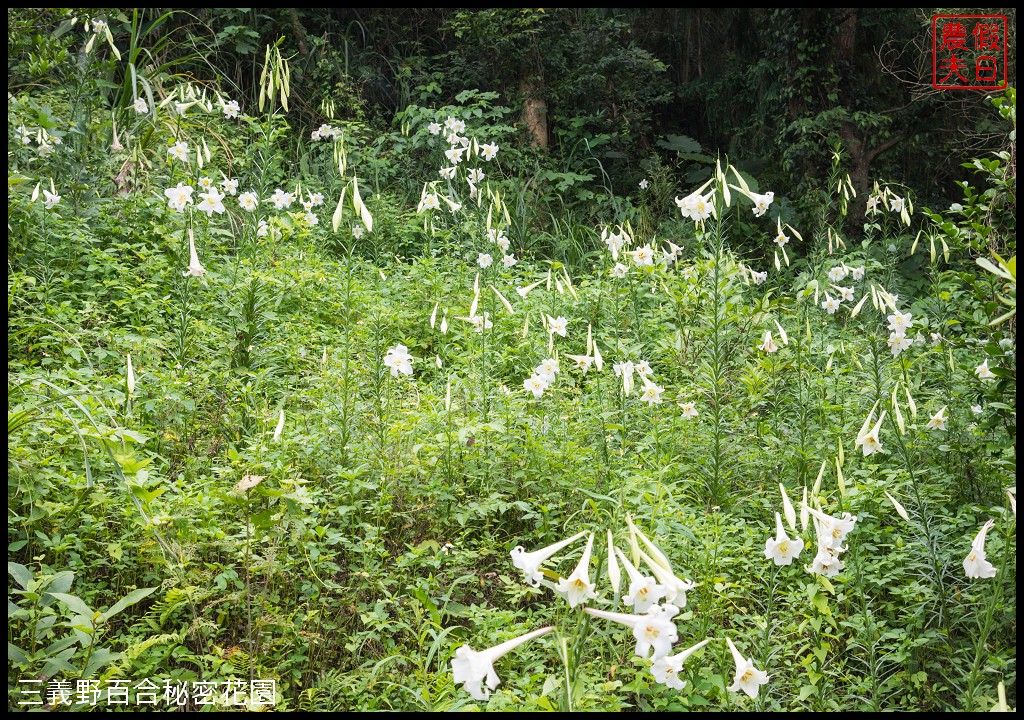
x,y
748,678
195,269
900,322
583,362
689,409
696,206
761,202
870,439
399,360
179,151
557,325
643,256
651,393
666,669
280,427
548,369
938,420
625,371
577,588
530,562
130,378
898,343
454,155
781,549
282,200
833,530
825,563
975,564
213,202
831,304
479,322
675,587
672,254
983,372
654,631
429,202
644,592
846,294
473,669
536,384
768,343
178,197
248,201
837,273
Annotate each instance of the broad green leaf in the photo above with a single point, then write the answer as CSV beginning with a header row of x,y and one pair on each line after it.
x,y
59,664
100,657
130,599
22,575
60,583
679,144
995,270
76,604
60,645
15,655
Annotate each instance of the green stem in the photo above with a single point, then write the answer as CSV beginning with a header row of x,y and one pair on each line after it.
x,y
930,541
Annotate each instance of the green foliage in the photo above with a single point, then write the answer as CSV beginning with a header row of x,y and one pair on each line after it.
x,y
324,446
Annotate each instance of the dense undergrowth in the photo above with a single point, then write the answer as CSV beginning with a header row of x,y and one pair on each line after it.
x,y
296,439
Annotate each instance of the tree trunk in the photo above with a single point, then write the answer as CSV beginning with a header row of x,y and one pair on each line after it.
x,y
535,110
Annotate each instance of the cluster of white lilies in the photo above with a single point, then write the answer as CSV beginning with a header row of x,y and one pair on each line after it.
x,y
655,599
830,532
655,593
180,196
